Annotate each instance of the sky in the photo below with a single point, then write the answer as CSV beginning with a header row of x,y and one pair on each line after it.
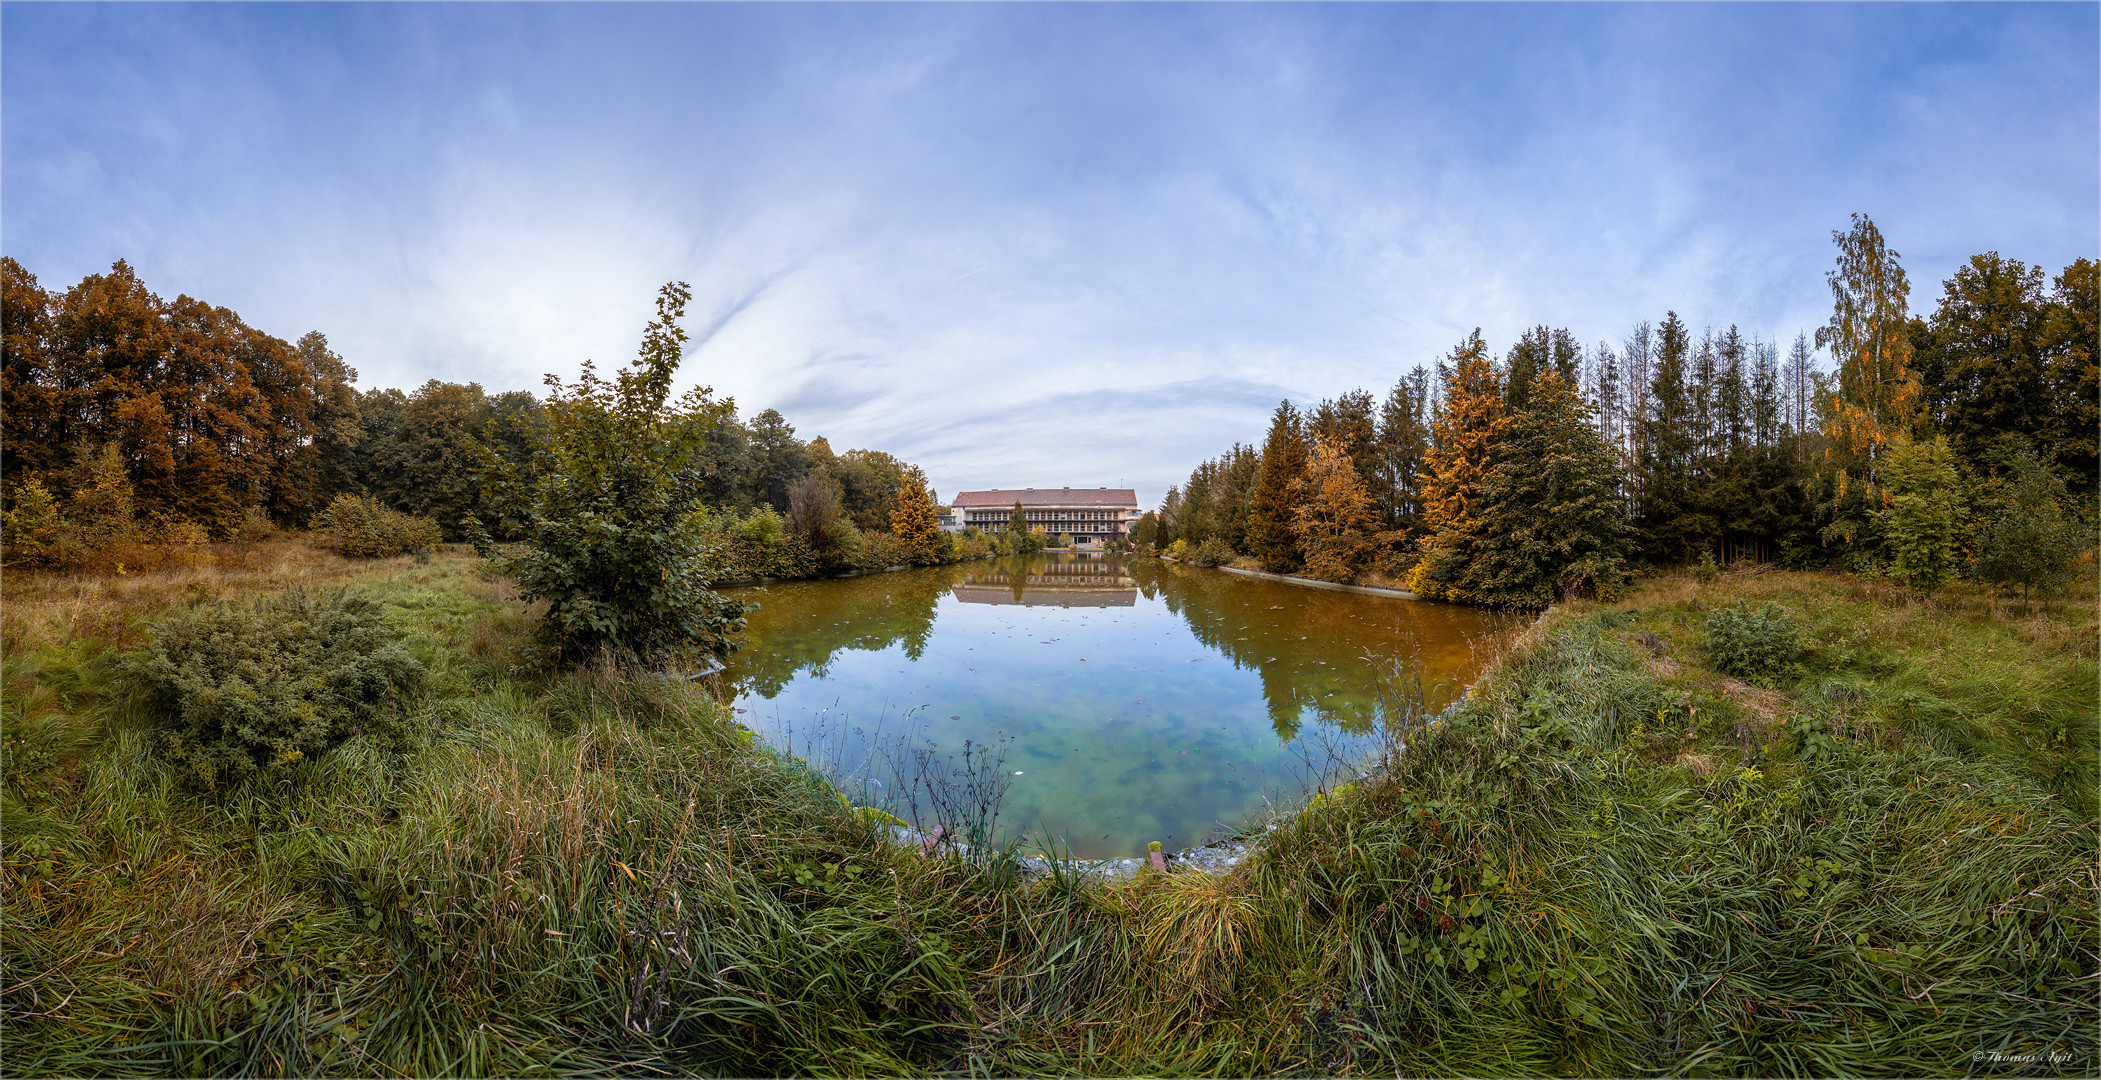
x,y
1030,244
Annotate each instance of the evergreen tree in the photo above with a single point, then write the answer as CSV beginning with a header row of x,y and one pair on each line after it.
x,y
1549,521
1403,445
1271,535
1672,521
1018,527
1348,424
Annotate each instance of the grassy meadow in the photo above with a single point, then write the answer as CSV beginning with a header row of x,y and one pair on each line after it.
x,y
1610,860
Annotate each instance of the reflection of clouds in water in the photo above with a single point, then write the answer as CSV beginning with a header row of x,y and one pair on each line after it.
x,y
1125,722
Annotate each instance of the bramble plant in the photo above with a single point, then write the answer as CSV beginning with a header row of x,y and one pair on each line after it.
x,y
1755,644
615,540
237,689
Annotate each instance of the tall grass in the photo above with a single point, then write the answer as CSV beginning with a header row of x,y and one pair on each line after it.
x,y
1609,860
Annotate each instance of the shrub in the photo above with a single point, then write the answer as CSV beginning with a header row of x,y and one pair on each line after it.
x,y
35,528
1212,552
255,526
1758,644
236,689
2030,542
362,527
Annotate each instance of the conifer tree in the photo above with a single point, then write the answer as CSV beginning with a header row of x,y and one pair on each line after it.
x,y
1271,537
1549,521
1403,443
1467,417
1334,518
915,520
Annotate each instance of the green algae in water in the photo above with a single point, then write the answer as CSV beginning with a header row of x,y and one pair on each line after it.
x,y
1124,700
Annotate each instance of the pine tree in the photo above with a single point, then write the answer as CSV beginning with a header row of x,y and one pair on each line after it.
x,y
1550,522
1271,537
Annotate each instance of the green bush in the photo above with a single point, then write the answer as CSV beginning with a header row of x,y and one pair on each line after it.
x,y
1758,644
362,527
236,689
2030,542
1212,552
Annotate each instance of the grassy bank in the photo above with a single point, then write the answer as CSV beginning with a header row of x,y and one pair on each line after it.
x,y
1611,860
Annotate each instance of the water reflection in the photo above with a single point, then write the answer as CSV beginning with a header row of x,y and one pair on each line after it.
x,y
1137,699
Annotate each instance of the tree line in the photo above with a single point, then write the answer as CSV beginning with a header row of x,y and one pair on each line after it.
x,y
174,420
1560,467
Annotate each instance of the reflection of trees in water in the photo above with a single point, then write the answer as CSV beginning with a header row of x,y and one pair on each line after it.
x,y
802,625
1232,616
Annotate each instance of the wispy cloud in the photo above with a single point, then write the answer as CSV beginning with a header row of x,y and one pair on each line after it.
x,y
1022,244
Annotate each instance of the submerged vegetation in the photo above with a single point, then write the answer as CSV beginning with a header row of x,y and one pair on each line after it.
x,y
1611,859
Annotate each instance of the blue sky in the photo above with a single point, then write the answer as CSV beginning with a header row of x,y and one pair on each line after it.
x,y
1030,244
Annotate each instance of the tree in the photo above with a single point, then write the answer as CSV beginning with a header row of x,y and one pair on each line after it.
x,y
1467,415
1672,519
1549,520
1334,518
613,540
1878,392
2030,541
915,520
781,458
1980,358
2071,330
1018,528
1924,511
1272,539
1403,443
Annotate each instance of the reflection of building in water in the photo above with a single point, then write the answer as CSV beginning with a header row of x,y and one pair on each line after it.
x,y
1091,515
1083,582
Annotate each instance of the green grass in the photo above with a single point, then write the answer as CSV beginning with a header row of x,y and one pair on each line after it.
x,y
1883,865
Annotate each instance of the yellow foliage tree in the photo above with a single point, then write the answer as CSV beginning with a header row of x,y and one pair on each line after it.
x,y
1469,419
1334,516
914,519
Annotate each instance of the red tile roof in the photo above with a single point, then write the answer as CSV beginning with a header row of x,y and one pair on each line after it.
x,y
1119,497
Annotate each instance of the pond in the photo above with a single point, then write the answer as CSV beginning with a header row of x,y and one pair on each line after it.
x,y
1097,701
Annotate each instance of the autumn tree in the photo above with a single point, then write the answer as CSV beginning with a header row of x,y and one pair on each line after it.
x,y
1334,517
1468,413
914,519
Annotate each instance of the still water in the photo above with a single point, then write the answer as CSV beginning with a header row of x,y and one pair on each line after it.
x,y
1123,700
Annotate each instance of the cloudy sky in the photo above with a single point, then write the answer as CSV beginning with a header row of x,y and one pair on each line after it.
x,y
1030,244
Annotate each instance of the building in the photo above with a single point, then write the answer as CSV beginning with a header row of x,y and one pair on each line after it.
x,y
1090,515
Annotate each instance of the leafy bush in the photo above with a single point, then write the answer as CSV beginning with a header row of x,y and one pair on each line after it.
x,y
614,540
2030,542
362,527
1212,552
255,526
236,689
1758,644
